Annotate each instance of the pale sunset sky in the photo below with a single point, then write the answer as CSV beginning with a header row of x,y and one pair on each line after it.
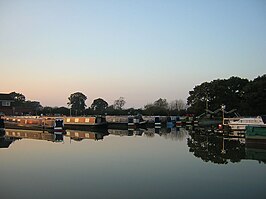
x,y
141,50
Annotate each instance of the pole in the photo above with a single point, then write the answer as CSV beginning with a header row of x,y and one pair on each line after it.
x,y
223,108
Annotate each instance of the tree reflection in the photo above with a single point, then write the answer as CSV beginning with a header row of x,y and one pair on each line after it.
x,y
222,150
4,143
177,134
216,149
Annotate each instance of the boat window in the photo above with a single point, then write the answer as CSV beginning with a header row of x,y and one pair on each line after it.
x,y
76,119
87,120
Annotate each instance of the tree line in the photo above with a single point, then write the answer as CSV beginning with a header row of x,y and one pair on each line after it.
x,y
248,97
99,106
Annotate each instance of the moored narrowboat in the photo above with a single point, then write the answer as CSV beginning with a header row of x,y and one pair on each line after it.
x,y
136,121
92,121
35,123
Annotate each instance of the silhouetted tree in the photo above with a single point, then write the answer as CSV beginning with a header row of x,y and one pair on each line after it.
x,y
199,97
211,95
47,110
18,98
99,105
254,100
77,102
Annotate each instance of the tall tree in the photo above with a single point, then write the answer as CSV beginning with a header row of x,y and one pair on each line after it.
x,y
254,100
99,105
77,102
119,103
211,95
198,98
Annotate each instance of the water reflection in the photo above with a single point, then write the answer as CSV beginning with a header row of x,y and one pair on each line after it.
x,y
255,152
178,134
8,136
222,150
203,144
4,141
80,135
171,133
58,137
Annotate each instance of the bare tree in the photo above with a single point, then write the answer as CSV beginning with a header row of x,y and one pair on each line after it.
x,y
119,103
177,105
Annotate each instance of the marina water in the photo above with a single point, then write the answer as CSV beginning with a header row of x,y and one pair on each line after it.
x,y
133,164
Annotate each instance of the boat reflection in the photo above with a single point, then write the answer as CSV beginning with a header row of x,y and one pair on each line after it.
x,y
177,134
29,134
9,136
58,136
91,135
207,146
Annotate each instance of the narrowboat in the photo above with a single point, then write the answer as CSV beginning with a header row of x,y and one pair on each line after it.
x,y
82,122
35,123
136,121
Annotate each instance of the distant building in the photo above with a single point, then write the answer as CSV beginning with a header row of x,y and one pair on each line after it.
x,y
6,104
9,107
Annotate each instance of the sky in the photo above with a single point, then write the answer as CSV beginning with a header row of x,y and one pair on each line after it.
x,y
141,50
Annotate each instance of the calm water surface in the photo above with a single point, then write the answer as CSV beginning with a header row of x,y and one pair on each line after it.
x,y
129,164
